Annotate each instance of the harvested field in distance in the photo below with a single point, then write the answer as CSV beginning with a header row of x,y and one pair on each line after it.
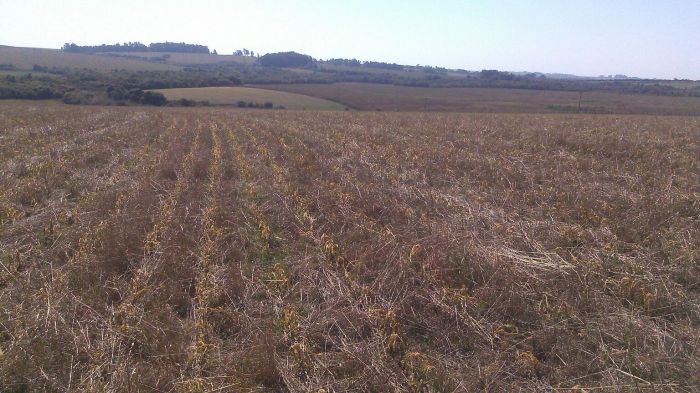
x,y
208,249
186,58
232,95
26,58
367,96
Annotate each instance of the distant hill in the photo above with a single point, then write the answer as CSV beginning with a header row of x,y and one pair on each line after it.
x,y
26,58
183,59
113,77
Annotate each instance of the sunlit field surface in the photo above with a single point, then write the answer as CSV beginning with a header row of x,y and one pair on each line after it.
x,y
147,249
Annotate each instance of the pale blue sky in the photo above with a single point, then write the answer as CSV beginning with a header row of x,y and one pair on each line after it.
x,y
647,38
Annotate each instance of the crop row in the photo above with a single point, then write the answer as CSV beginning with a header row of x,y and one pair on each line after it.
x,y
223,250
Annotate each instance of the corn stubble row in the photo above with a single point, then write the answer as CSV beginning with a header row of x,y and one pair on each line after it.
x,y
216,250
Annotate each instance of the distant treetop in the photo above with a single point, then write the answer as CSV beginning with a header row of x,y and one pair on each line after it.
x,y
286,59
180,47
244,52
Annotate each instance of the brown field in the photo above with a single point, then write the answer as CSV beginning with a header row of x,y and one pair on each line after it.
x,y
232,95
26,58
149,249
367,96
190,58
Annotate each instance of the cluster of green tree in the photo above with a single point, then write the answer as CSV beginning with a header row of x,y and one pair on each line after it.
x,y
383,66
344,62
156,58
31,87
7,67
115,87
48,87
125,47
250,104
188,103
244,52
136,95
179,47
497,75
286,59
366,64
172,79
427,69
133,97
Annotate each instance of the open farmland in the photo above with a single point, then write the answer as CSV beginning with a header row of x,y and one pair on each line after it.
x,y
185,59
26,58
149,249
367,96
233,95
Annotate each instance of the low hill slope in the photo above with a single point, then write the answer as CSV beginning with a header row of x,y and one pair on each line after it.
x,y
26,58
184,59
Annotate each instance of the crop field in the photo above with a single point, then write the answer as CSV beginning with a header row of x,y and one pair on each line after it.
x,y
26,58
187,58
367,96
213,249
232,95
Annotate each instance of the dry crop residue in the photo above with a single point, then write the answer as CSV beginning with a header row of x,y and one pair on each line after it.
x,y
226,250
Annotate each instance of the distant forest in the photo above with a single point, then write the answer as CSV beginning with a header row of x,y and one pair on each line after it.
x,y
177,47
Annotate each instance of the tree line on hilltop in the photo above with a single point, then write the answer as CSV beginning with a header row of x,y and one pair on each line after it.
x,y
176,47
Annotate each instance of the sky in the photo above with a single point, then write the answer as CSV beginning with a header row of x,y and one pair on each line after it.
x,y
644,38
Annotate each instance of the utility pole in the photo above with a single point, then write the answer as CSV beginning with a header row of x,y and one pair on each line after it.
x,y
580,96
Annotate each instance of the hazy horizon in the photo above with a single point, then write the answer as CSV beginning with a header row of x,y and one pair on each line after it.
x,y
636,38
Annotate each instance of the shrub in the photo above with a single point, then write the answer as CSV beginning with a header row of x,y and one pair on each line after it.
x,y
186,102
153,98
